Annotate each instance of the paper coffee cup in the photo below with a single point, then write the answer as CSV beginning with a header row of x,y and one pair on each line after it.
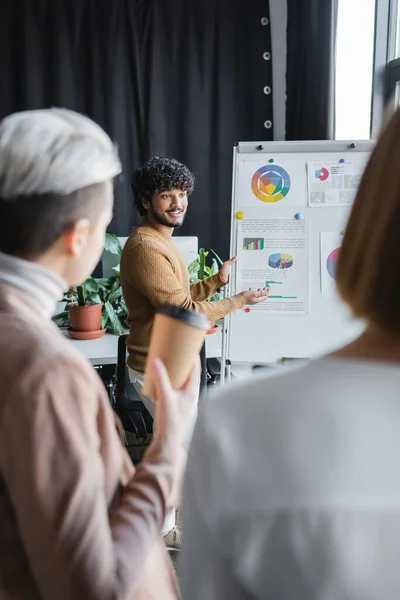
x,y
177,338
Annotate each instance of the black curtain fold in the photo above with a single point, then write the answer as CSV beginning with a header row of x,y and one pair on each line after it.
x,y
311,33
182,78
82,55
205,79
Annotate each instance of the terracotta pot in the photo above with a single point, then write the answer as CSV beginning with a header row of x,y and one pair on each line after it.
x,y
86,335
85,318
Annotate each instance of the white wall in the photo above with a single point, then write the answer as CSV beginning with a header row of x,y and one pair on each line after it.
x,y
278,17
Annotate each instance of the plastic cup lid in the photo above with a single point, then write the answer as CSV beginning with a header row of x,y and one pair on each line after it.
x,y
190,317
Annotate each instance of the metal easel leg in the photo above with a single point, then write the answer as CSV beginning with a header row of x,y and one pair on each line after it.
x,y
223,353
225,362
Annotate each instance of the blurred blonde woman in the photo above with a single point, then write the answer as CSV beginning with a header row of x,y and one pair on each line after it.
x,y
297,497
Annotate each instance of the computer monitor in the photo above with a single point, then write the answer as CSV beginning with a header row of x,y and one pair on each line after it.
x,y
188,245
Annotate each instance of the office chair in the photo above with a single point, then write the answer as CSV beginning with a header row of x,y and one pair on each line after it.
x,y
203,376
125,401
133,414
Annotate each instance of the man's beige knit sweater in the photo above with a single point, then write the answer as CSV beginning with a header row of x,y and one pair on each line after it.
x,y
154,272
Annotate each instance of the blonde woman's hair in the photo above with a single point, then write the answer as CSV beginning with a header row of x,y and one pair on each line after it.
x,y
368,273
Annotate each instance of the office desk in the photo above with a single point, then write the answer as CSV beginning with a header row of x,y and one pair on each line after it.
x,y
104,350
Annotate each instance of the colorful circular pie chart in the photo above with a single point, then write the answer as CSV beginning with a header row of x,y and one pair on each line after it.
x,y
322,174
280,260
331,262
270,183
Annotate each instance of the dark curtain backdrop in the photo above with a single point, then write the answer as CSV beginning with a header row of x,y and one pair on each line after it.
x,y
182,78
311,32
82,55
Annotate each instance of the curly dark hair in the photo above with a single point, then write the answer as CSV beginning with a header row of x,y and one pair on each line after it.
x,y
160,174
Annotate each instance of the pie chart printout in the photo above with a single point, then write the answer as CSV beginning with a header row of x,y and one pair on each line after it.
x,y
280,261
270,183
322,174
331,262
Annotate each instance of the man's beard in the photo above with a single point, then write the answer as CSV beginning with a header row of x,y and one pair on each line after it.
x,y
163,221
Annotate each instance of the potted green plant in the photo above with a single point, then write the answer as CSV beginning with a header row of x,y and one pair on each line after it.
x,y
105,294
200,270
84,308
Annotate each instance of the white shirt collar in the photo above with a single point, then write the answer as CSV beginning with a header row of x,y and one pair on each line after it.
x,y
44,287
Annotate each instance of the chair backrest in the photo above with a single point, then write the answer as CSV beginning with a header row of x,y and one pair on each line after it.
x,y
203,376
121,364
129,407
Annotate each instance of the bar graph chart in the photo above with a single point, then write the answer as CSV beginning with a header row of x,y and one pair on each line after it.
x,y
271,297
253,244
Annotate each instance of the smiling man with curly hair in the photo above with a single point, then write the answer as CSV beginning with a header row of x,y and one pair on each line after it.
x,y
154,272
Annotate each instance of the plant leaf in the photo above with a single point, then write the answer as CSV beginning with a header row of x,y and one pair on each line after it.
x,y
194,266
115,323
62,319
214,267
81,295
199,270
216,296
113,296
94,298
202,262
112,244
61,315
70,296
217,257
124,308
104,318
90,286
115,285
103,282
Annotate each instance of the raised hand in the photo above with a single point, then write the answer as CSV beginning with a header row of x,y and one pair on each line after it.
x,y
225,270
255,296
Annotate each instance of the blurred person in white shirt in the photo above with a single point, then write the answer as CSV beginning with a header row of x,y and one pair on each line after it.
x,y
293,489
